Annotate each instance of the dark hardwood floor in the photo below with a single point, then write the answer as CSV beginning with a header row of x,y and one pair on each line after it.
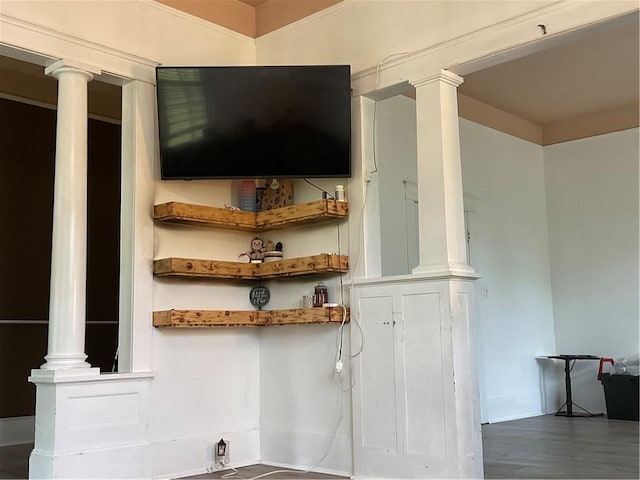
x,y
538,447
14,461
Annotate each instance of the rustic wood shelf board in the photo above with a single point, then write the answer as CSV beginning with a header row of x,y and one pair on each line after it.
x,y
195,268
247,318
290,267
201,215
301,214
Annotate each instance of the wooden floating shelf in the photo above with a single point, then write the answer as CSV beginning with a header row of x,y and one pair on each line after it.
x,y
290,267
300,214
247,318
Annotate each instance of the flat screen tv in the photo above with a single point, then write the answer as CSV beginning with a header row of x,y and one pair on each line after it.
x,y
254,122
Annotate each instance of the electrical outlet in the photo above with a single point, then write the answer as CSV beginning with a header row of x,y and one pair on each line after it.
x,y
221,452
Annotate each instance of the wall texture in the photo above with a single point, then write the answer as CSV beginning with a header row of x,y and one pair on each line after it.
x,y
509,249
592,202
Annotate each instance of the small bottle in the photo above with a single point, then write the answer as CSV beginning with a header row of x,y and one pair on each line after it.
x,y
340,193
320,295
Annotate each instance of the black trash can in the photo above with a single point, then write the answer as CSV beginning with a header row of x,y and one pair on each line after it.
x,y
621,395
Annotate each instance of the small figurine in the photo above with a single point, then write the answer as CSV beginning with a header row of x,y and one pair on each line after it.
x,y
256,255
257,249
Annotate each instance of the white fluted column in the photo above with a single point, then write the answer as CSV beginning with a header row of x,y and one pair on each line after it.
x,y
442,239
69,244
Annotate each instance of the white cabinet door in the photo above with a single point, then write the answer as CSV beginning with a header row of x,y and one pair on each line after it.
x,y
403,395
376,392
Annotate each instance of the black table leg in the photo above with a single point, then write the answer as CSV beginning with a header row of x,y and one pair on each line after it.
x,y
569,402
567,385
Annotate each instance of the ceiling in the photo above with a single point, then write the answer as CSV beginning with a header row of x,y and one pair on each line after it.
x,y
595,72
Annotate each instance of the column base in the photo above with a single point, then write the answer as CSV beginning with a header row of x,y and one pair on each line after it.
x,y
65,361
90,425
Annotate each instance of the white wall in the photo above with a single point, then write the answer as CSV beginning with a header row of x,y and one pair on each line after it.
x,y
509,249
306,407
305,412
592,202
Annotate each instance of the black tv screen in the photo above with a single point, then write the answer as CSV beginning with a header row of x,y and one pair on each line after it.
x,y
254,122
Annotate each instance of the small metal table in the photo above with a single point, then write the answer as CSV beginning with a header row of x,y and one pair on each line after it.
x,y
569,362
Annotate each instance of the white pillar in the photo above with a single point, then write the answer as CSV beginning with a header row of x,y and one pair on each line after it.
x,y
442,240
69,244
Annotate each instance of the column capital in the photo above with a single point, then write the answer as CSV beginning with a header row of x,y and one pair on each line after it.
x,y
444,76
70,65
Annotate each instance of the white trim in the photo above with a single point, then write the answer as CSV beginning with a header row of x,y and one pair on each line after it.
x,y
415,278
17,430
82,42
46,46
507,40
139,162
85,375
444,76
309,18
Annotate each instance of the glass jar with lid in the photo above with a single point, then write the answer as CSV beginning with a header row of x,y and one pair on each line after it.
x,y
320,295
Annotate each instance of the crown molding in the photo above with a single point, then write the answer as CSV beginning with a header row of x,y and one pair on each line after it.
x,y
503,41
53,45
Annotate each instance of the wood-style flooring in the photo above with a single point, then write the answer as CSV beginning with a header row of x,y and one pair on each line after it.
x,y
538,447
14,461
561,447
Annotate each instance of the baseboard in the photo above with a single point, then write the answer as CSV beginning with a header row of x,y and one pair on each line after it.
x,y
17,430
518,416
183,457
129,461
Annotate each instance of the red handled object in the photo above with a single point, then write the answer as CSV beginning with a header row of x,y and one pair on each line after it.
x,y
602,361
